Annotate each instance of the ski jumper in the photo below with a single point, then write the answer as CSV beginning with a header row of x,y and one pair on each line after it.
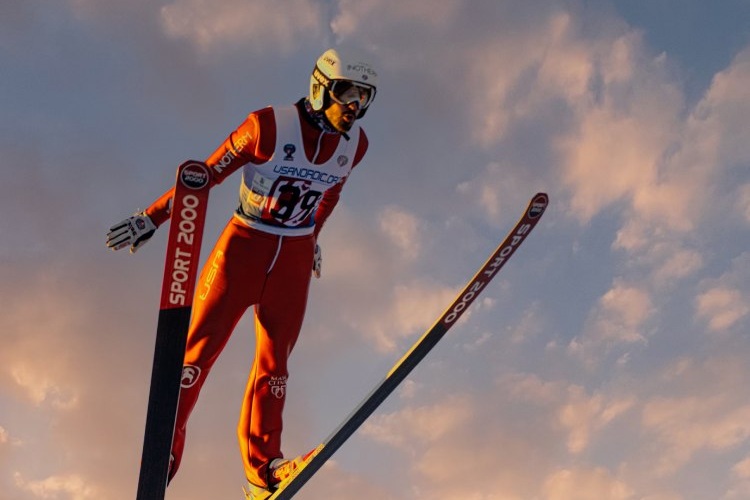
x,y
293,173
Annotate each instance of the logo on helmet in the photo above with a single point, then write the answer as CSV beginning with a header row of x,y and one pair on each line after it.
x,y
321,77
364,69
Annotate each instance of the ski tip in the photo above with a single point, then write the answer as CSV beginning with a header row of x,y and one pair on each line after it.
x,y
538,205
194,175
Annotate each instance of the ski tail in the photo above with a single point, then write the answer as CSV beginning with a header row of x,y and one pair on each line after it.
x,y
180,272
419,350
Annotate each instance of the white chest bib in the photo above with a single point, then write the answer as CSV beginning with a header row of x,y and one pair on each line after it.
x,y
282,195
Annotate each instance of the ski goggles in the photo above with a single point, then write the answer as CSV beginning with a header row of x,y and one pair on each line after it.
x,y
345,93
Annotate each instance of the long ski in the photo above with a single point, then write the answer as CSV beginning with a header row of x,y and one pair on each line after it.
x,y
181,268
418,351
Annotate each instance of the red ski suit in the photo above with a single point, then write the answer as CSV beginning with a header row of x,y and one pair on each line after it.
x,y
263,259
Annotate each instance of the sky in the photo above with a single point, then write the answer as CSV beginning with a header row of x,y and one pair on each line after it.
x,y
608,360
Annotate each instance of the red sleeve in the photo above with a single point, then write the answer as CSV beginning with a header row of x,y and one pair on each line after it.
x,y
361,147
331,196
253,141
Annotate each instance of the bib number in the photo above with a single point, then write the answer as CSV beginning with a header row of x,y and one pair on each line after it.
x,y
291,202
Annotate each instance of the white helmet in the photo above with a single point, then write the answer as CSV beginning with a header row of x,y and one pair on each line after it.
x,y
343,77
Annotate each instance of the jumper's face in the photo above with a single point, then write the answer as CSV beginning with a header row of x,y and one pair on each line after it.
x,y
348,101
342,116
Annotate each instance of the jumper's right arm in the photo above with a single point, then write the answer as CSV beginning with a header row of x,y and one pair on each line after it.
x,y
245,144
237,150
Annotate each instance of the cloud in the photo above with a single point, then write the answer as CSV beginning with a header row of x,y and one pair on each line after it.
x,y
740,487
336,482
522,420
583,414
107,9
724,114
402,229
73,486
622,134
632,147
476,61
722,307
419,425
687,415
354,16
614,112
686,184
580,414
687,425
42,387
9,446
440,443
256,26
723,301
530,325
677,265
413,307
37,359
72,365
585,484
743,201
623,310
742,469
396,303
496,190
618,319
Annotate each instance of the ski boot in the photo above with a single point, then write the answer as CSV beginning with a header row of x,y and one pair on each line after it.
x,y
280,471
